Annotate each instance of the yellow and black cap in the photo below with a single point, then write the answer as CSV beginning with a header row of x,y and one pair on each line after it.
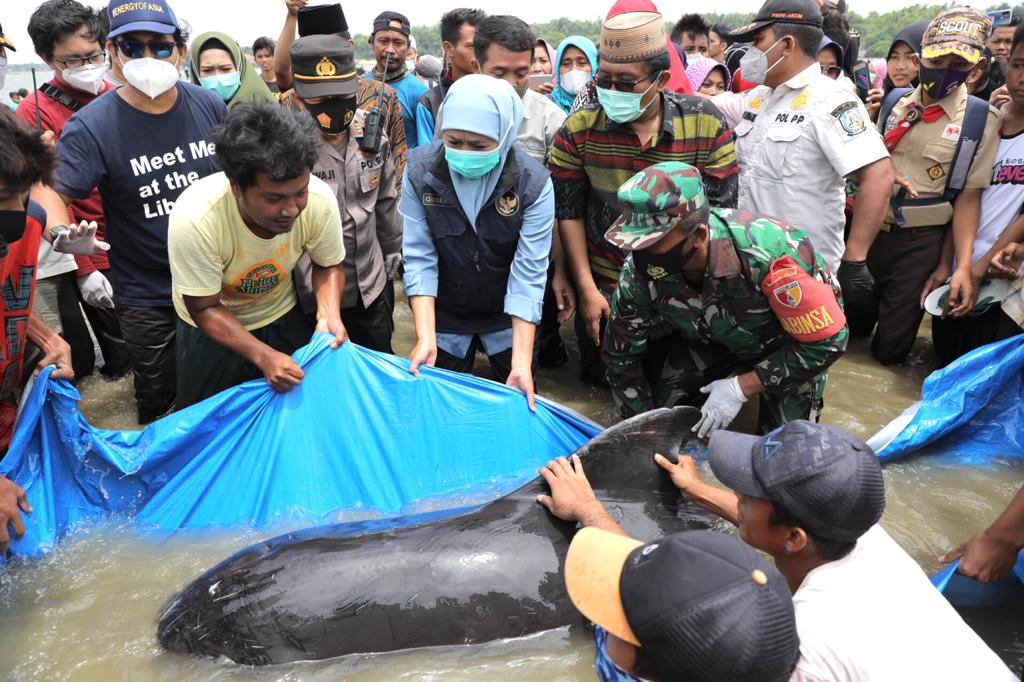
x,y
5,41
324,66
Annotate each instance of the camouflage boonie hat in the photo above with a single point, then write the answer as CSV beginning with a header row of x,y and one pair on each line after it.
x,y
653,201
961,31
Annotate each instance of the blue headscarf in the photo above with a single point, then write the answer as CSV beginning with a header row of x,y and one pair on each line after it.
x,y
486,106
586,46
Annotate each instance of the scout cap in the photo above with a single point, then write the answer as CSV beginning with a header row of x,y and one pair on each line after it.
x,y
961,31
324,66
321,20
632,37
384,20
804,12
829,480
5,41
653,201
154,16
702,605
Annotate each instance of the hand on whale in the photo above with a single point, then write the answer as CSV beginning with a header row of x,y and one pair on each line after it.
x,y
454,577
572,498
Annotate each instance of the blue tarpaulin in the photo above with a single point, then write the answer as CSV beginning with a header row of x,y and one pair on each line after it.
x,y
360,432
970,412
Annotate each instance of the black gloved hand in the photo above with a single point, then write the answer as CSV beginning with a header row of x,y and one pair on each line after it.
x,y
859,300
855,280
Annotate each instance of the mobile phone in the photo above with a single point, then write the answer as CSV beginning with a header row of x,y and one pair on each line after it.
x,y
862,79
1001,17
538,79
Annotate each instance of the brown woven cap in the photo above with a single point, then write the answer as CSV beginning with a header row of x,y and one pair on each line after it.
x,y
632,37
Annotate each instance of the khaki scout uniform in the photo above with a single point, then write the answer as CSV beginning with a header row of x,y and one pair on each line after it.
x,y
903,258
367,192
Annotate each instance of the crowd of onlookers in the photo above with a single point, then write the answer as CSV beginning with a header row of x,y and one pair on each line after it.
x,y
718,210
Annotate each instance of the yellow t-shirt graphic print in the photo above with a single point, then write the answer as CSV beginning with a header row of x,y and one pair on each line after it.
x,y
260,280
213,252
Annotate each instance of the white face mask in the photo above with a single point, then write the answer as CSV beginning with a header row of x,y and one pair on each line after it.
x,y
574,81
410,65
754,64
3,70
87,78
154,77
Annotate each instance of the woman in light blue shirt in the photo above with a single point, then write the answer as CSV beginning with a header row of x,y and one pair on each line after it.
x,y
478,217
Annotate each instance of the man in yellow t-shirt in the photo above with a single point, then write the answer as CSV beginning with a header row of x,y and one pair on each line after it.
x,y
233,240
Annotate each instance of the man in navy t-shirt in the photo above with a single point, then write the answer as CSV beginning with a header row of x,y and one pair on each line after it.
x,y
142,145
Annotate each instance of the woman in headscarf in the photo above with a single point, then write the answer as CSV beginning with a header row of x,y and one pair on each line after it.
x,y
901,65
575,64
478,218
707,76
543,65
216,62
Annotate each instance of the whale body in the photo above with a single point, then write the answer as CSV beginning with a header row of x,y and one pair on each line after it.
x,y
458,576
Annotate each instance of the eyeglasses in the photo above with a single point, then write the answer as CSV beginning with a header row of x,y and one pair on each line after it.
x,y
832,72
133,49
606,83
78,62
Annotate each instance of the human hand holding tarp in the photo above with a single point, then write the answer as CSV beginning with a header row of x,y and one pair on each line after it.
x,y
12,503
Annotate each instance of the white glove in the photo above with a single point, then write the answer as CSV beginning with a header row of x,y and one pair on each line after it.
x,y
96,290
80,240
393,266
723,404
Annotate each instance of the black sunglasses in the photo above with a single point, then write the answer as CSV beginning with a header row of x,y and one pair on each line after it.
x,y
134,49
606,83
832,72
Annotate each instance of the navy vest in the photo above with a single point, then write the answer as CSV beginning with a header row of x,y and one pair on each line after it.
x,y
473,266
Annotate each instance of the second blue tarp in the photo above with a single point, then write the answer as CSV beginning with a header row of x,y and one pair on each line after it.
x,y
359,433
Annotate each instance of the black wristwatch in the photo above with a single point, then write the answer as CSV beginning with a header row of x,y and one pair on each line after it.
x,y
58,230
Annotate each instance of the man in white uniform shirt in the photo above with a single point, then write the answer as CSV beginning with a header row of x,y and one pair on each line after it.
x,y
800,135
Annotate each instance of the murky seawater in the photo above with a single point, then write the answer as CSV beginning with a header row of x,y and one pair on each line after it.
x,y
88,611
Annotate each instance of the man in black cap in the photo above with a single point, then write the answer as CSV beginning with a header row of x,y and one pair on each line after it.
x,y
330,20
390,41
691,606
800,135
364,183
811,496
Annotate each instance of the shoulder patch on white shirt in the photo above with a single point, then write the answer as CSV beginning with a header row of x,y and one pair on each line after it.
x,y
849,118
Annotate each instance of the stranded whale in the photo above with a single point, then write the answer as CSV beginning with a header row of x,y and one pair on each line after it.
x,y
453,577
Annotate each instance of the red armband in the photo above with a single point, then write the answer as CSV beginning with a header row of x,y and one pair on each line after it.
x,y
806,307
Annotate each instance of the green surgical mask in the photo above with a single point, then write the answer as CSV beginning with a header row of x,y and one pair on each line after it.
x,y
472,164
225,84
623,107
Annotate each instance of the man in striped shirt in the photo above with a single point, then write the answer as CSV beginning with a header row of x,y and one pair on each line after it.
x,y
635,124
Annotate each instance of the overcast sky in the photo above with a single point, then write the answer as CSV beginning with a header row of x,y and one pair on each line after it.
x,y
245,20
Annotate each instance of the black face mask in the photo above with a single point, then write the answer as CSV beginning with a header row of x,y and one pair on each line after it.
x,y
333,115
12,225
658,265
939,83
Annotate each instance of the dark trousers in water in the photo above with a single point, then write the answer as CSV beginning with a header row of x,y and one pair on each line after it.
x,y
372,326
107,330
501,363
676,369
901,261
550,347
954,337
149,334
207,368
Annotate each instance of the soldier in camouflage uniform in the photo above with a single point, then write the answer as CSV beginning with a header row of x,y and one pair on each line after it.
x,y
689,309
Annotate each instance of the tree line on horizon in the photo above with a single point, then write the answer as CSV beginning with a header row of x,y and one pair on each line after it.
x,y
876,30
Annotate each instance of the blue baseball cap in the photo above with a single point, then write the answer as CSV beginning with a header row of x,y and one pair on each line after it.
x,y
154,16
826,478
